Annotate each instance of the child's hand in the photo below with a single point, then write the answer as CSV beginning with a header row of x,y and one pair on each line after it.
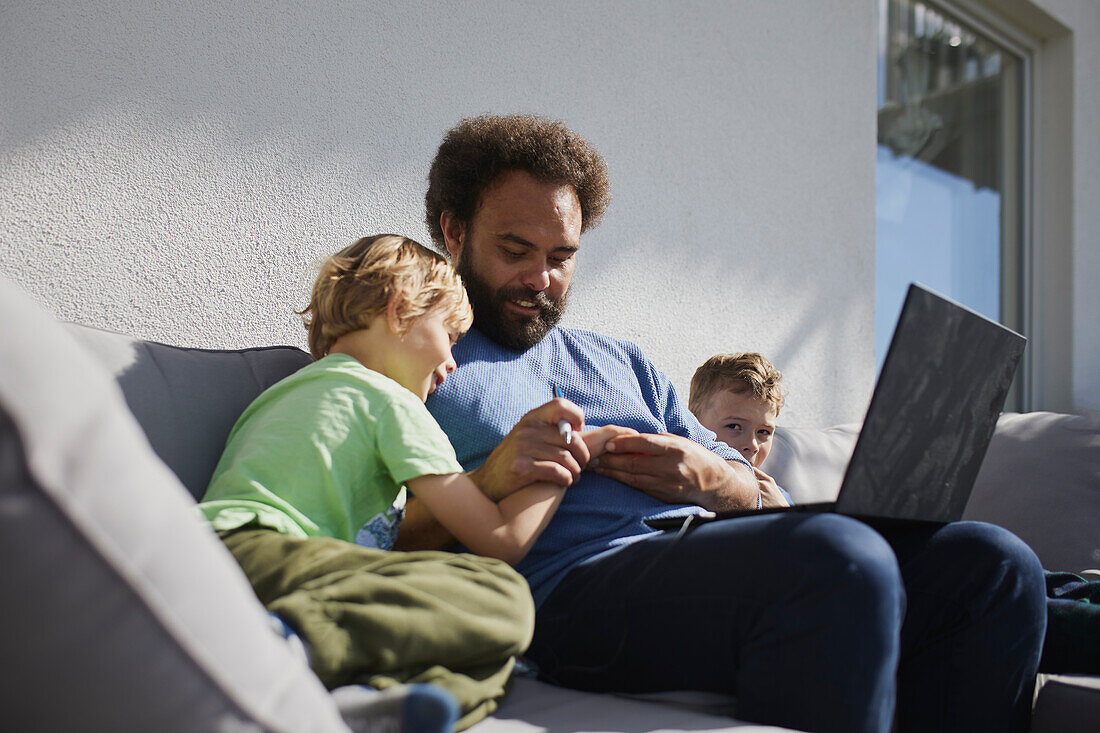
x,y
596,439
770,494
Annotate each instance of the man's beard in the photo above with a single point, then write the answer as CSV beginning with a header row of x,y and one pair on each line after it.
x,y
509,329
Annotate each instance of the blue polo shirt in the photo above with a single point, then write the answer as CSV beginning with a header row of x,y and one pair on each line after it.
x,y
615,384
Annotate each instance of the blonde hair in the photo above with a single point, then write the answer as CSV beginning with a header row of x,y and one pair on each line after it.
x,y
355,285
747,372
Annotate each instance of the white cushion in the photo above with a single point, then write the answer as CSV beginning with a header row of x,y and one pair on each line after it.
x,y
121,610
810,462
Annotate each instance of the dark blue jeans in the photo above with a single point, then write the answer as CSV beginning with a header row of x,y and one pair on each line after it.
x,y
817,622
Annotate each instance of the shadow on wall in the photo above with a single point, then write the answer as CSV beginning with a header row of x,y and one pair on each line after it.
x,y
229,145
157,136
267,68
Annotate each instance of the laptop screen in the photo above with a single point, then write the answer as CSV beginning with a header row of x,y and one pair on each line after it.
x,y
931,417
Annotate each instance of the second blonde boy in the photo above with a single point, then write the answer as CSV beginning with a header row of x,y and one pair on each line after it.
x,y
738,397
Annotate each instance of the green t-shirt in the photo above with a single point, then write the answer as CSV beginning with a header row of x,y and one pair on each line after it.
x,y
324,453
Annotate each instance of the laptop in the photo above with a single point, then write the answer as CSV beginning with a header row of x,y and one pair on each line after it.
x,y
931,417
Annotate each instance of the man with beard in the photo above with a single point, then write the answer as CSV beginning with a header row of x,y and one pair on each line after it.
x,y
799,616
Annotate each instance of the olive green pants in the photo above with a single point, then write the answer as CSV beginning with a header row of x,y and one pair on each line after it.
x,y
385,618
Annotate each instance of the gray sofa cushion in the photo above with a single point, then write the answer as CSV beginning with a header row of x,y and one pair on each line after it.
x,y
1041,480
187,400
120,610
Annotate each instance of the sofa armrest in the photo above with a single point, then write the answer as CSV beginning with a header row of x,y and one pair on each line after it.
x,y
121,609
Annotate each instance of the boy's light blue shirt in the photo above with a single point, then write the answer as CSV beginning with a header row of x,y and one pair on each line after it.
x,y
615,384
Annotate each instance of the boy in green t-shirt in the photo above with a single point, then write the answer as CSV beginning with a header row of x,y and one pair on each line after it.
x,y
316,462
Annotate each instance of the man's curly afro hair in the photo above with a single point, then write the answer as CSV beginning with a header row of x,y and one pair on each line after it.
x,y
479,149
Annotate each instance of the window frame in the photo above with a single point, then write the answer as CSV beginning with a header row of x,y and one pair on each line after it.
x,y
1017,268
1019,228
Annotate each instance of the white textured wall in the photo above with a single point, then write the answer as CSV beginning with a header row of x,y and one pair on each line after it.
x,y
173,169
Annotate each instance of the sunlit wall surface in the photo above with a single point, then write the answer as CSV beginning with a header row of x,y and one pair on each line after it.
x,y
174,170
947,170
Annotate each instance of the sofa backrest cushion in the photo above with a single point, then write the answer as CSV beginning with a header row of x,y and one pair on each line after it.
x,y
121,609
187,400
810,462
1041,480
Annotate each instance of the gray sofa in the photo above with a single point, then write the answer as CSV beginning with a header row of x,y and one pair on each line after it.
x,y
126,614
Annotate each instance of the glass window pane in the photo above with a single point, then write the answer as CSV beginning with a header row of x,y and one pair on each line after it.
x,y
948,165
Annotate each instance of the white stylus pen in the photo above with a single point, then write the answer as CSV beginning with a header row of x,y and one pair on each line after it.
x,y
564,427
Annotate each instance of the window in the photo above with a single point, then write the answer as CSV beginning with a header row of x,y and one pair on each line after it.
x,y
950,195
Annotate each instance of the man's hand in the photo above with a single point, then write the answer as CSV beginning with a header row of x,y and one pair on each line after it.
x,y
677,470
534,451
